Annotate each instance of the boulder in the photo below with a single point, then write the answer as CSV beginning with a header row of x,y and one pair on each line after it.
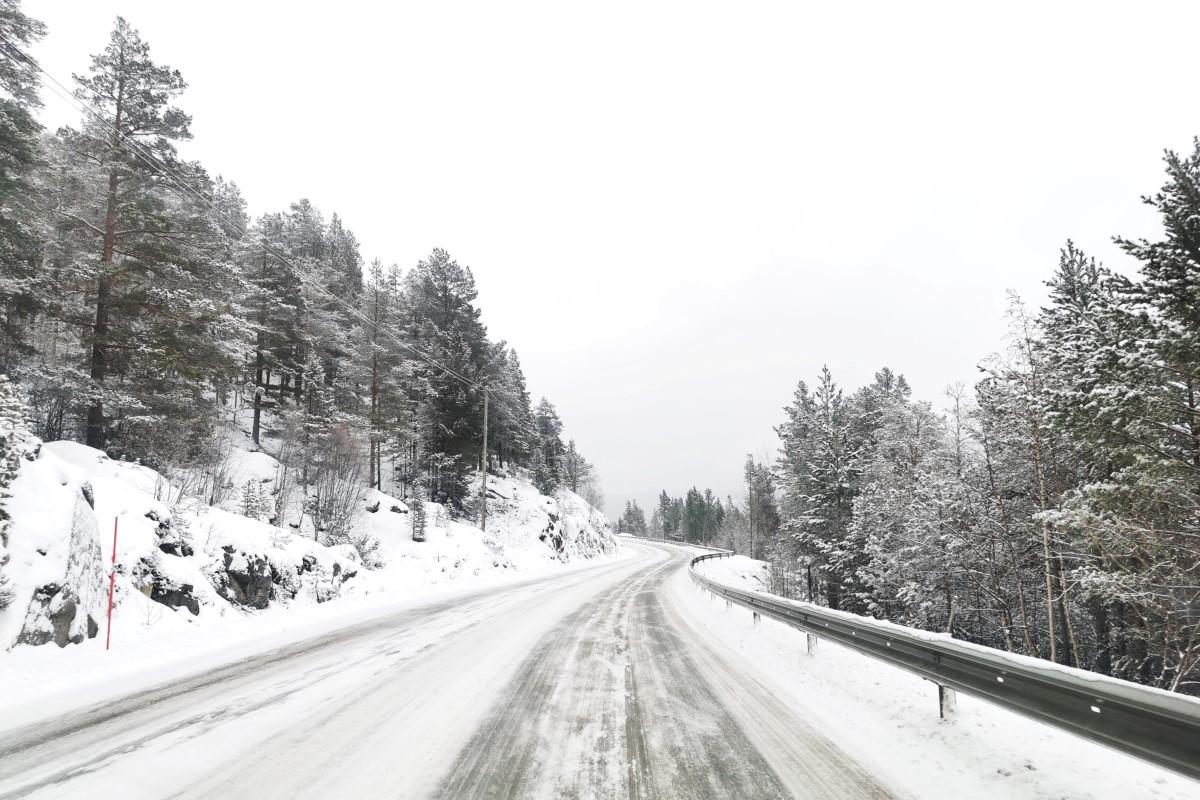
x,y
54,616
62,597
246,579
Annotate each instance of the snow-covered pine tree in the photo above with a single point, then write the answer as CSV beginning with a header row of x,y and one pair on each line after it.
x,y
275,304
632,520
1125,355
548,459
128,94
576,469
256,503
418,516
817,469
14,445
1019,391
902,520
146,326
23,289
443,321
515,432
714,516
655,527
387,413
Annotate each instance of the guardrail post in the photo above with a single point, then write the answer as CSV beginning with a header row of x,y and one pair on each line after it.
x,y
947,702
812,644
728,604
755,617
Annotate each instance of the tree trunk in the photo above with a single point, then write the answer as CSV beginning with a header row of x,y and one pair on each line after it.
x,y
1103,662
1047,556
259,359
1066,630
99,361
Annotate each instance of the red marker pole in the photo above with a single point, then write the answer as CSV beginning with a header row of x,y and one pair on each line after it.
x,y
112,582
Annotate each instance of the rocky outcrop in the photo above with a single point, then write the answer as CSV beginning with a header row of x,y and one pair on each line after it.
x,y
175,595
174,538
55,615
246,579
64,609
149,578
552,534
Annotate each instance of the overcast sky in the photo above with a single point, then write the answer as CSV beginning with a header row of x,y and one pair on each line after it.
x,y
676,211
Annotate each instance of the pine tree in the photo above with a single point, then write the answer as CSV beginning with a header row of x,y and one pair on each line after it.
x,y
23,290
386,411
548,460
817,464
276,303
255,504
664,516
1125,356
515,432
443,322
417,510
633,519
576,469
655,527
128,96
694,515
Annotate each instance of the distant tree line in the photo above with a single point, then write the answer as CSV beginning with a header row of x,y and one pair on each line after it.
x,y
695,517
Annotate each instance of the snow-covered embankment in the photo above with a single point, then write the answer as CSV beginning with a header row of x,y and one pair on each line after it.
x,y
182,564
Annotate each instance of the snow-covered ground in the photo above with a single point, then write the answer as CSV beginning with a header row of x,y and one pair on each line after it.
x,y
44,682
374,702
603,678
887,718
200,584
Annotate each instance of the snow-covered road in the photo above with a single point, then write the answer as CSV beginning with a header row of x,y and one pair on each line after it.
x,y
585,684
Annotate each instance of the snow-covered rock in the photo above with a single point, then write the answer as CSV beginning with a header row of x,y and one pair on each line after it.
x,y
564,523
180,562
55,562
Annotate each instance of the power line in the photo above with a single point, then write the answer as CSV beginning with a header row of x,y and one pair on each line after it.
x,y
141,152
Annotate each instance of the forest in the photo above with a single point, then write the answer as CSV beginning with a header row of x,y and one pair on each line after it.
x,y
145,313
1052,510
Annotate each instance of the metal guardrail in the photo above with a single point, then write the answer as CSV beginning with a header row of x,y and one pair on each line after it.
x,y
1158,726
676,542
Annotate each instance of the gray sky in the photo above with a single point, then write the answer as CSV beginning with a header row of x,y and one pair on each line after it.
x,y
676,211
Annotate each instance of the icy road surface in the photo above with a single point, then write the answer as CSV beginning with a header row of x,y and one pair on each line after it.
x,y
588,684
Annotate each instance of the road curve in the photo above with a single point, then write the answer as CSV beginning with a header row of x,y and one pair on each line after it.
x,y
582,685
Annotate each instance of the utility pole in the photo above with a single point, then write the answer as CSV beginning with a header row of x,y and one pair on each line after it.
x,y
484,468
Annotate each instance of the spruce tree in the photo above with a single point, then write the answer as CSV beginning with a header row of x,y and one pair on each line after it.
x,y
817,465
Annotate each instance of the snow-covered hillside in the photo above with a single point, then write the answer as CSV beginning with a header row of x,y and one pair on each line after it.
x,y
181,562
